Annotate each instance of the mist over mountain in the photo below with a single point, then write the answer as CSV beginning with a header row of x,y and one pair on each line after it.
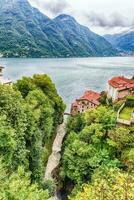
x,y
26,32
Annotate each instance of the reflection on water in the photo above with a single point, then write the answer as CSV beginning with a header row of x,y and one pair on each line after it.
x,y
71,76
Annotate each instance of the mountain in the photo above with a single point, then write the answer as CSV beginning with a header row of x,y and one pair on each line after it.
x,y
21,29
26,32
75,39
124,42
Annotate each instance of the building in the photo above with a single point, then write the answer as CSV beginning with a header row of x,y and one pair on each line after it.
x,y
119,87
89,100
2,80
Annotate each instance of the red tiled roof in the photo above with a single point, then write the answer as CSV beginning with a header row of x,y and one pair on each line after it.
x,y
121,83
91,96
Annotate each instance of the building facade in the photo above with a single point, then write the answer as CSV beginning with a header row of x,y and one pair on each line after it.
x,y
89,100
119,87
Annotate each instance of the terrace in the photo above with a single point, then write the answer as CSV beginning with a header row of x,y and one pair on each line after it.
x,y
125,114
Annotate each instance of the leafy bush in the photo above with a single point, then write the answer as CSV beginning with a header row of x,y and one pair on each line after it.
x,y
103,98
130,101
108,184
18,186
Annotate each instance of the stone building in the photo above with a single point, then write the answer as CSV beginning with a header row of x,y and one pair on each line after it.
x,y
119,87
89,100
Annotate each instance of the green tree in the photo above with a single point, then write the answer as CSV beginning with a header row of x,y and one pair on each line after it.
x,y
103,115
17,186
108,184
76,123
30,112
12,107
7,141
119,138
44,83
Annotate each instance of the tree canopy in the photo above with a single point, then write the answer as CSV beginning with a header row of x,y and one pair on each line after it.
x,y
30,112
97,156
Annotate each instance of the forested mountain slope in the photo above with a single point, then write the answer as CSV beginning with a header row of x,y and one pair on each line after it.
x,y
26,32
124,42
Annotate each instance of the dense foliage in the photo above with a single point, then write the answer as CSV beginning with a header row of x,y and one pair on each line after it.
x,y
109,184
30,111
17,186
98,156
130,101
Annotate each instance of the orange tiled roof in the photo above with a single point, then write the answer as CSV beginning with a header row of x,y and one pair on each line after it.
x,y
121,83
91,96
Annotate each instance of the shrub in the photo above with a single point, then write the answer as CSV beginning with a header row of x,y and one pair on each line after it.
x,y
130,101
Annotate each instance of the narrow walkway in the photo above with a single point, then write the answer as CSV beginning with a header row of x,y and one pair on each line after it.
x,y
55,156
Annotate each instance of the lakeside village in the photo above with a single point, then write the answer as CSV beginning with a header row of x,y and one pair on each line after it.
x,y
120,93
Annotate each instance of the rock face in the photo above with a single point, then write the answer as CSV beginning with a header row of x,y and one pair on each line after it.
x,y
26,32
124,42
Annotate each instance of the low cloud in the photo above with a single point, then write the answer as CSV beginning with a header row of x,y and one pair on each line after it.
x,y
54,7
112,21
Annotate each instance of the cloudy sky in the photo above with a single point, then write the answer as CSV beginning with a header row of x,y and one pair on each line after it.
x,y
101,16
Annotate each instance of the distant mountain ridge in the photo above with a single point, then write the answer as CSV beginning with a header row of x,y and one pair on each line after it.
x,y
124,42
26,32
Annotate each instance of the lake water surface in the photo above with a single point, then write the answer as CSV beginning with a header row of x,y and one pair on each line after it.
x,y
72,76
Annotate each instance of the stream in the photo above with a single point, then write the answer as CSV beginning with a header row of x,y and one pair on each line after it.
x,y
54,158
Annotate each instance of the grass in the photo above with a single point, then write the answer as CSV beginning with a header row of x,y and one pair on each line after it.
x,y
126,113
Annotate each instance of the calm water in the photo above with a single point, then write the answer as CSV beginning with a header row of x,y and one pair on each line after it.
x,y
71,76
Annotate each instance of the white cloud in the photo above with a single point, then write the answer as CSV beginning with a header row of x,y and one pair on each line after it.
x,y
52,7
102,16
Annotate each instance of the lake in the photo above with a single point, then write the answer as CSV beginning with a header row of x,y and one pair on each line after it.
x,y
72,76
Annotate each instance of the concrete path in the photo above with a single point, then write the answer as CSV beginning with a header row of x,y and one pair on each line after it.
x,y
55,156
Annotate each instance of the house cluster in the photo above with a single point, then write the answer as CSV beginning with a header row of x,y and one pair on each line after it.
x,y
2,80
118,88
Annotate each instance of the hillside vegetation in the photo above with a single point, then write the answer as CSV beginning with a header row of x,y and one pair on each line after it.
x,y
124,42
98,157
26,32
30,111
